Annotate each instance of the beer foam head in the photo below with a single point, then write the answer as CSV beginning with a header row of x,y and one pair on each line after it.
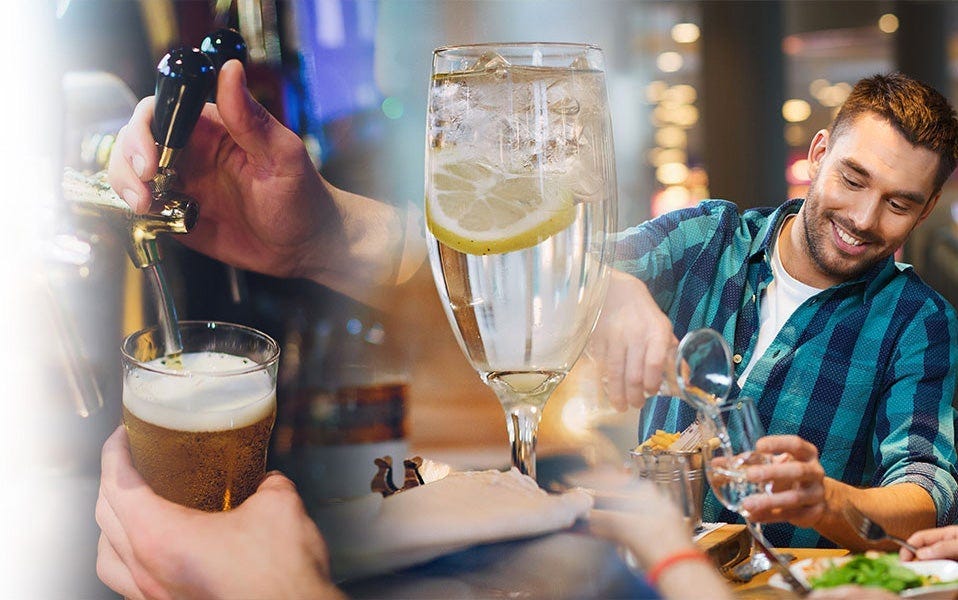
x,y
202,396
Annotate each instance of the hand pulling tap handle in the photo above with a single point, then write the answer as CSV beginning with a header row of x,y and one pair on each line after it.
x,y
184,80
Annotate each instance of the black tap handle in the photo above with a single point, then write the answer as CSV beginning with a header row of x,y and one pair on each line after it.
x,y
224,44
184,80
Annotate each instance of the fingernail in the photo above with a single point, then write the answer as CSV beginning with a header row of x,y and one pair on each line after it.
x,y
139,165
131,197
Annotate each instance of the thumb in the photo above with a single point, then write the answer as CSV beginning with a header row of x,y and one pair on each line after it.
x,y
276,481
251,126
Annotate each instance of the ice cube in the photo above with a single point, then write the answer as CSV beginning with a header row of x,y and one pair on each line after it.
x,y
489,61
581,63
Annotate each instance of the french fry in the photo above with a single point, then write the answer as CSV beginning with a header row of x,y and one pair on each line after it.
x,y
660,440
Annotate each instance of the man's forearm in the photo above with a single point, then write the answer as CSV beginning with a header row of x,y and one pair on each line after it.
x,y
901,509
377,247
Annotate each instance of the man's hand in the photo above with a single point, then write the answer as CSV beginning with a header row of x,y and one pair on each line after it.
x,y
263,205
633,344
803,496
941,542
149,547
797,477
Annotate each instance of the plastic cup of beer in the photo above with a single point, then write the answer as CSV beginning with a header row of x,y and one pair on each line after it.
x,y
199,424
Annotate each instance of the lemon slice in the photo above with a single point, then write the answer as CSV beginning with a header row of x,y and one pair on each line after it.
x,y
476,210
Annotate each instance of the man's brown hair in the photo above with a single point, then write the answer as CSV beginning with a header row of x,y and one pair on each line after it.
x,y
921,114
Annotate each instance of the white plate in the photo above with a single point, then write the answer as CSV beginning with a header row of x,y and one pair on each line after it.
x,y
946,570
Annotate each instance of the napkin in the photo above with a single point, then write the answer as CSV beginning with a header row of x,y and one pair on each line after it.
x,y
372,535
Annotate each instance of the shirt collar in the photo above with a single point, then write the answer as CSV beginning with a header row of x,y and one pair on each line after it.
x,y
766,236
872,280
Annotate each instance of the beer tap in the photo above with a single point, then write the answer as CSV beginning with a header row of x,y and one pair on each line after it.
x,y
184,80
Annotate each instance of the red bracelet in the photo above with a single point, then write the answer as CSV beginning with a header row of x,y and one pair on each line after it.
x,y
653,574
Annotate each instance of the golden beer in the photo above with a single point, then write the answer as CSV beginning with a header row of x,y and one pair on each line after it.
x,y
199,426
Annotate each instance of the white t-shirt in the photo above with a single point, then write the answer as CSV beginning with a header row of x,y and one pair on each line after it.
x,y
779,300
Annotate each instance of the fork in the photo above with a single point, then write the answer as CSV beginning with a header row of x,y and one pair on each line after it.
x,y
871,530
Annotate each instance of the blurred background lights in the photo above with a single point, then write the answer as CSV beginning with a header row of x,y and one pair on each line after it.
x,y
799,170
682,93
815,87
392,107
685,33
672,173
792,45
669,155
686,115
671,198
795,135
671,137
655,90
834,95
888,23
796,110
669,62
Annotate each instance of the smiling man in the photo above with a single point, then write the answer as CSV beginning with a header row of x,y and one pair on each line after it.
x,y
849,356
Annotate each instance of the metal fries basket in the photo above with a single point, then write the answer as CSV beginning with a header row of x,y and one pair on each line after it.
x,y
680,475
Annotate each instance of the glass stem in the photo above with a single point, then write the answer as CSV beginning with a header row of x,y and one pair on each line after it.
x,y
523,424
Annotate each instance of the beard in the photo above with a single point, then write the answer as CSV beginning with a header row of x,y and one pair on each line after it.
x,y
819,245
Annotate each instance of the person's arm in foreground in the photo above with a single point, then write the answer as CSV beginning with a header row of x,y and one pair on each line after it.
x,y
805,497
263,205
149,547
651,527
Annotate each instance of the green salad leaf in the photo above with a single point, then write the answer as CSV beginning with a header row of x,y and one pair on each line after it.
x,y
871,570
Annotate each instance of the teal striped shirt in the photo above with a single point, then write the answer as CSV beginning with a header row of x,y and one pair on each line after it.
x,y
864,370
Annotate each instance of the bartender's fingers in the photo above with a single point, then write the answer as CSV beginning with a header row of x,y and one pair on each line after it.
x,y
613,374
636,373
112,530
113,452
251,126
112,571
659,358
133,159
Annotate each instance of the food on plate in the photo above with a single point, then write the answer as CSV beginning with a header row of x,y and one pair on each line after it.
x,y
660,440
872,569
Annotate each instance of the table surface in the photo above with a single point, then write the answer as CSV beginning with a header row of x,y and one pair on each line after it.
x,y
566,564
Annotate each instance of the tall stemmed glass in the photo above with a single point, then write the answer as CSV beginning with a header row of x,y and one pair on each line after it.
x,y
736,427
520,197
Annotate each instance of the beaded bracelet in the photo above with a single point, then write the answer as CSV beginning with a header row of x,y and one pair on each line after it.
x,y
655,572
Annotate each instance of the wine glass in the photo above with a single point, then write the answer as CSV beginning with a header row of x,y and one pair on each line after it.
x,y
736,428
520,199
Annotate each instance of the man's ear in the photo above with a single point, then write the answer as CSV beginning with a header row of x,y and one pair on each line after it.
x,y
816,152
